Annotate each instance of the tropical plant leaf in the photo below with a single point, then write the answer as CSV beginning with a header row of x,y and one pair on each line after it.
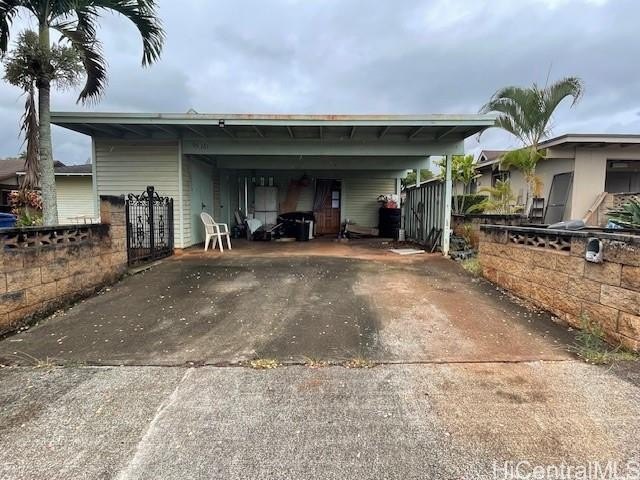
x,y
30,131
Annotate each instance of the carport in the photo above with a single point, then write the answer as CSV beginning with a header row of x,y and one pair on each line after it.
x,y
214,162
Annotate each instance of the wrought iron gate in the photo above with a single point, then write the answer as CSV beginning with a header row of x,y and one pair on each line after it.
x,y
149,226
424,213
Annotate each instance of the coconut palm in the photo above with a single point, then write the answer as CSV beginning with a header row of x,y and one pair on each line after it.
x,y
526,113
76,21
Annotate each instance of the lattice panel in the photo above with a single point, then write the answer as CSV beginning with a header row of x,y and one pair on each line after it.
x,y
551,242
42,237
620,199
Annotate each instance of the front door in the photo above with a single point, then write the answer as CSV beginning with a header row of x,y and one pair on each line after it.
x,y
328,213
201,198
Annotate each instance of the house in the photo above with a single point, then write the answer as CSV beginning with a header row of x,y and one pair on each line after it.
x,y
74,188
8,180
333,165
581,174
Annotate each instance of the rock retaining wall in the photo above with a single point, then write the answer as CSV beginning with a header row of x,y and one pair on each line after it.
x,y
45,268
548,268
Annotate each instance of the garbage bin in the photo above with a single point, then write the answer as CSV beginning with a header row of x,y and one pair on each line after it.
x,y
7,220
303,228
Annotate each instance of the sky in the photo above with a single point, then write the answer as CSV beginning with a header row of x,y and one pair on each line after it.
x,y
360,57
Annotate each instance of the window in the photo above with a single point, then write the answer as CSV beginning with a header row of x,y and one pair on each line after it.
x,y
500,175
5,196
335,199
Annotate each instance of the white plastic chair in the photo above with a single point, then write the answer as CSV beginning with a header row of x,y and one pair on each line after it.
x,y
216,231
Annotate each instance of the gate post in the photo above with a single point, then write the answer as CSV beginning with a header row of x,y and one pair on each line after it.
x,y
152,230
448,191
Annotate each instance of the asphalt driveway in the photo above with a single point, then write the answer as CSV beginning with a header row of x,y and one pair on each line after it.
x,y
362,304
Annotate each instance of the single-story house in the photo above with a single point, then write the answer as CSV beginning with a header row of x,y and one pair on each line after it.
x,y
74,188
578,173
9,180
215,162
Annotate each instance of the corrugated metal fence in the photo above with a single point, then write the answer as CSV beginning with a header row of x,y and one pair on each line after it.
x,y
424,210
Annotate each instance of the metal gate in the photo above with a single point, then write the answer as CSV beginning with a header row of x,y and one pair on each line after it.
x,y
149,226
424,213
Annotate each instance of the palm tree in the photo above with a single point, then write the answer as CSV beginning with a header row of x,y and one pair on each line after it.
x,y
76,21
526,113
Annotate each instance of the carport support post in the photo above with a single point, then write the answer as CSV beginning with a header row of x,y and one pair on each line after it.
x,y
448,188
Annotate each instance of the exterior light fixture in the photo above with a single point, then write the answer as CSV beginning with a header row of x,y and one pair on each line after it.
x,y
221,123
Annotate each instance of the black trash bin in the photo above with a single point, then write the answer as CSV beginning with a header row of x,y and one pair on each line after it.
x,y
389,222
302,230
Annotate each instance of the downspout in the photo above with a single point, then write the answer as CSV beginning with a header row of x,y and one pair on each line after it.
x,y
94,178
448,188
180,194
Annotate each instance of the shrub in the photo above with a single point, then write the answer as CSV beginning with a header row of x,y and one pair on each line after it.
x,y
627,216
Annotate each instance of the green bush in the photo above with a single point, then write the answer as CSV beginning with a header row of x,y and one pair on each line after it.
x,y
469,201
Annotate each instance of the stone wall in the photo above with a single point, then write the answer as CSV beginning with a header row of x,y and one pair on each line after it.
x,y
547,267
45,268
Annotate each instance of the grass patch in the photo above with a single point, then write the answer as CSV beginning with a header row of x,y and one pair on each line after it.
x,y
359,362
46,363
592,348
472,265
314,362
264,364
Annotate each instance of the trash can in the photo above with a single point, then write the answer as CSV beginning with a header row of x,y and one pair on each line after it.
x,y
302,231
7,220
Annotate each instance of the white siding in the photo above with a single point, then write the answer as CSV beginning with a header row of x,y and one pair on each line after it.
x,y
75,197
360,198
124,167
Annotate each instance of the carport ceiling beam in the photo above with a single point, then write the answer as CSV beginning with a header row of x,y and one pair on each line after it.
x,y
103,129
226,130
196,130
135,129
414,132
167,129
446,132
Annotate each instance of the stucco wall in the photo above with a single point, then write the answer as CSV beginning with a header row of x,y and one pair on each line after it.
x,y
546,170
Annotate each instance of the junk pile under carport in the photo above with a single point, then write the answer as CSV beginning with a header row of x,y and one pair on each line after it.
x,y
290,226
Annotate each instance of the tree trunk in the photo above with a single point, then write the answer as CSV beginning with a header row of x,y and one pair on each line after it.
x,y
47,176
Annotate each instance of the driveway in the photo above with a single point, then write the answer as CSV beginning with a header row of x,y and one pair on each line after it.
x,y
468,384
334,305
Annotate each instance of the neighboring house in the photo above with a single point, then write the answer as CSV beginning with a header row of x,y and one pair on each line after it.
x,y
8,180
74,188
334,165
585,167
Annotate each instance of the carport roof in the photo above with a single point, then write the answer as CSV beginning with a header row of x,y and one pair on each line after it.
x,y
435,127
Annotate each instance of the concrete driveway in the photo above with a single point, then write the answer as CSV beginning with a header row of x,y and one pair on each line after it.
x,y
468,384
339,303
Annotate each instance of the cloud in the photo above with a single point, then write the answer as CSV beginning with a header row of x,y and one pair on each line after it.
x,y
358,56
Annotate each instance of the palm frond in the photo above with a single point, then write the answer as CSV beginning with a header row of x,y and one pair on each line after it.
x,y
8,11
143,14
526,112
90,51
627,215
554,94
30,130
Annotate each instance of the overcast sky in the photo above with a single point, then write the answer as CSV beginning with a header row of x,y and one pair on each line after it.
x,y
364,56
